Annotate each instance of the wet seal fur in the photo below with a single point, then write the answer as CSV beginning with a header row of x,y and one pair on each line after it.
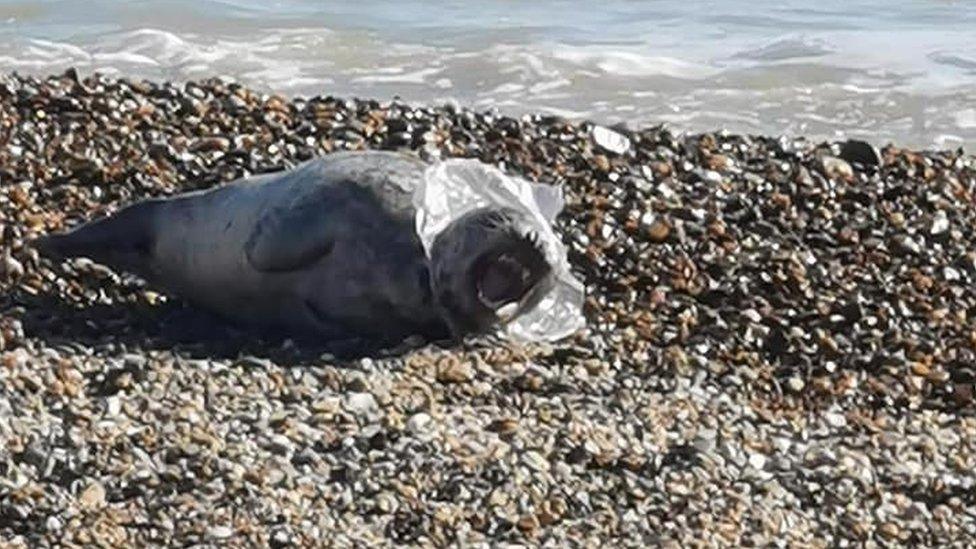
x,y
328,249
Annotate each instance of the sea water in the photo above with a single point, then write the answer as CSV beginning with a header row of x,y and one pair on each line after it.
x,y
897,71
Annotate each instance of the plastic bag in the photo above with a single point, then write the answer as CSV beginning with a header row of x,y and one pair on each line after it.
x,y
454,187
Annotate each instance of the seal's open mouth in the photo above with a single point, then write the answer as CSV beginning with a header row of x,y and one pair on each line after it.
x,y
502,281
507,280
494,255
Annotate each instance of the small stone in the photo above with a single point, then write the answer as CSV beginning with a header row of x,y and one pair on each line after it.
x,y
503,426
710,176
705,440
113,406
860,152
601,162
92,496
963,393
795,384
53,524
889,530
547,517
280,444
153,298
132,360
835,420
835,168
647,219
327,405
454,370
536,461
905,245
610,140
897,219
419,423
209,144
659,230
361,403
256,362
782,444
219,532
752,315
718,162
940,223
920,369
528,523
660,169
12,268
386,502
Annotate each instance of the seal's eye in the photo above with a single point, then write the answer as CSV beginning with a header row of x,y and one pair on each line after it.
x,y
503,280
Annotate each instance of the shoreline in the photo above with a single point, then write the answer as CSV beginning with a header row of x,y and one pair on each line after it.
x,y
451,103
780,344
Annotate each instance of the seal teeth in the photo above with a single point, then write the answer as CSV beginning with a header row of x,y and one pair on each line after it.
x,y
507,312
497,220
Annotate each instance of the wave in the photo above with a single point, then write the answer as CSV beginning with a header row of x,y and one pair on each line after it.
x,y
786,49
793,84
954,60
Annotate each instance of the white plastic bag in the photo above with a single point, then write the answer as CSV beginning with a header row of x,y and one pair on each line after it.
x,y
454,187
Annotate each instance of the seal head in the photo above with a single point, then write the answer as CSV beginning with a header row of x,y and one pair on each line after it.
x,y
487,267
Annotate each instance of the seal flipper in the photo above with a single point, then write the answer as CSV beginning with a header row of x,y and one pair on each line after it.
x,y
122,241
287,239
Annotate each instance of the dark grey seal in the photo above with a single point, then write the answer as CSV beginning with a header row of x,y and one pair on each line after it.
x,y
328,248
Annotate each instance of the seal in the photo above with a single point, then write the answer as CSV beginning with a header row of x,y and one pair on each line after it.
x,y
328,248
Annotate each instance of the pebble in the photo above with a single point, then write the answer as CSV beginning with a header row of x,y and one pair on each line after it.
x,y
940,223
280,444
454,371
92,496
836,168
659,230
361,403
220,532
835,420
419,423
889,530
53,524
860,152
113,405
795,384
535,460
610,140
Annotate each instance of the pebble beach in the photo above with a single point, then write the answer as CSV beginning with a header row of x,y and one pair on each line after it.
x,y
780,346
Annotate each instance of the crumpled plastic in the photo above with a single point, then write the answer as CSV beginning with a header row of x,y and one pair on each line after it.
x,y
454,187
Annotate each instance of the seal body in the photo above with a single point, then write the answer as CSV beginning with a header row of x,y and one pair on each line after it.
x,y
328,248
